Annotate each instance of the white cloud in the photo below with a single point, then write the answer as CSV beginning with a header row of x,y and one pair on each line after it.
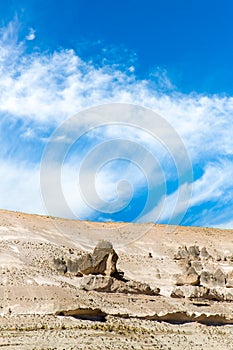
x,y
171,208
31,35
48,88
20,188
131,69
216,180
43,89
160,79
215,185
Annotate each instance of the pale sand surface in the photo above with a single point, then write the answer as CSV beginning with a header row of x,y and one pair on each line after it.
x,y
32,292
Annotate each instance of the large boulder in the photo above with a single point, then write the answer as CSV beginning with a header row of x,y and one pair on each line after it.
x,y
102,261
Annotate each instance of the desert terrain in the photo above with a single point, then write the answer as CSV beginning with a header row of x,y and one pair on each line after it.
x,y
63,285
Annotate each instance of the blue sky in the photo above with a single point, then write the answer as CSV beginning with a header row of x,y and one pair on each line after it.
x,y
174,57
192,40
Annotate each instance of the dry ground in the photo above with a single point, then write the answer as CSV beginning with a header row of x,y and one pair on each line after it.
x,y
33,293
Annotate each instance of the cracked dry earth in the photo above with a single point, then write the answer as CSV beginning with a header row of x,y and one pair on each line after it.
x,y
42,308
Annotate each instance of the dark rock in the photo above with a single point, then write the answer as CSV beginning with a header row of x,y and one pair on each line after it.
x,y
72,266
194,252
141,288
60,265
85,264
182,253
205,278
84,314
204,253
218,279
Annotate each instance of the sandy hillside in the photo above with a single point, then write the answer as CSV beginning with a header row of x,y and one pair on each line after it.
x,y
174,288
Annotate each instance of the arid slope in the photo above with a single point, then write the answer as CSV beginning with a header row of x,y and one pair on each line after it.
x,y
40,307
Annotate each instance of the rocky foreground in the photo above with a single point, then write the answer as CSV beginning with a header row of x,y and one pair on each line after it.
x,y
171,288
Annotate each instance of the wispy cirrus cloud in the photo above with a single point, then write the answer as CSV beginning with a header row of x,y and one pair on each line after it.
x,y
39,90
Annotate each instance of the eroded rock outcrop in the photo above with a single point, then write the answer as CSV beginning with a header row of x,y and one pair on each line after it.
x,y
109,284
211,280
99,273
192,253
203,293
202,276
102,261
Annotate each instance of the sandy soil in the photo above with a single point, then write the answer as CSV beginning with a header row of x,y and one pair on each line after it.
x,y
33,294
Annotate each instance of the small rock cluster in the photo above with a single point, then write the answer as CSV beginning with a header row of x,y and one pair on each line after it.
x,y
209,280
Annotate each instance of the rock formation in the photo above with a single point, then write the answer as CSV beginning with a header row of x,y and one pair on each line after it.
x,y
211,280
101,262
99,273
199,280
109,284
